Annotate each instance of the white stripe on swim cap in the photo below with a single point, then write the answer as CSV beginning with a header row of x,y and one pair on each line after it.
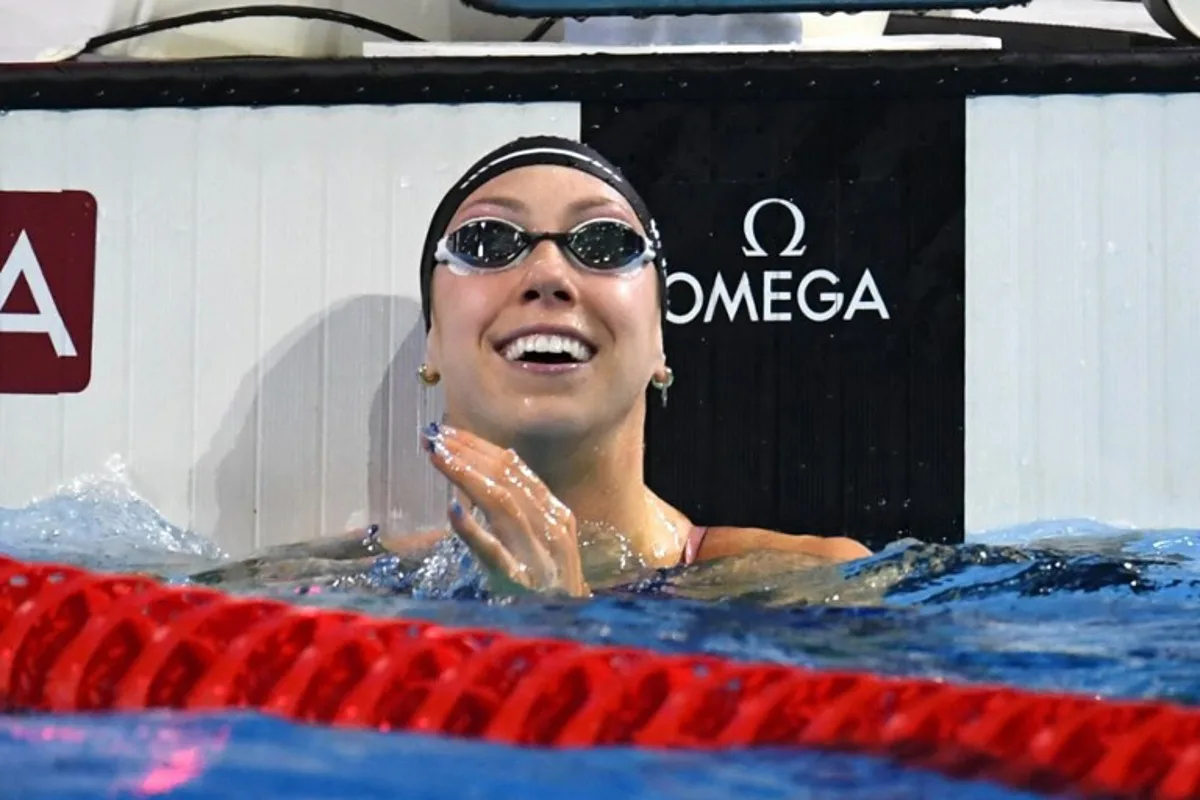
x,y
540,151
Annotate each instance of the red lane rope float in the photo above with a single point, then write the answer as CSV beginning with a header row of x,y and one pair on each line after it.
x,y
72,640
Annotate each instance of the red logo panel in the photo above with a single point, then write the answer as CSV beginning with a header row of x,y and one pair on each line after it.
x,y
47,291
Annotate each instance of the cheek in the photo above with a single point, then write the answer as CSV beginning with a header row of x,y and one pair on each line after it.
x,y
462,307
631,305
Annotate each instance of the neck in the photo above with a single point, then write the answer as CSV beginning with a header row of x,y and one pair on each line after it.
x,y
599,476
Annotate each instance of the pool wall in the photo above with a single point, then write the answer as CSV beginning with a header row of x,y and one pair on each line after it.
x,y
912,292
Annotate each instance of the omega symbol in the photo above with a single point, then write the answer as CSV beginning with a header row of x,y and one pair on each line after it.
x,y
753,249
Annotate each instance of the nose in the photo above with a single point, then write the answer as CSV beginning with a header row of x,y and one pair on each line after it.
x,y
549,277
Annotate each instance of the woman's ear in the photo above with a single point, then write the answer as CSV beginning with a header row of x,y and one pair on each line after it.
x,y
659,347
428,372
432,354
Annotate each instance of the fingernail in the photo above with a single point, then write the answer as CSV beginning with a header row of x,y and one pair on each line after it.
x,y
456,507
430,435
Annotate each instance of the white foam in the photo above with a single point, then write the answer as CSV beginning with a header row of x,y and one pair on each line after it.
x,y
99,521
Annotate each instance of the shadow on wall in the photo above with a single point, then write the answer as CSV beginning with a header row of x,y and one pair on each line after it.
x,y
326,439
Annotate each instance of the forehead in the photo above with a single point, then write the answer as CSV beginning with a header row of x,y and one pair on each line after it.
x,y
546,188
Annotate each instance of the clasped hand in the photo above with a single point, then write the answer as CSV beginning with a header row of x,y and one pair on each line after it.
x,y
530,540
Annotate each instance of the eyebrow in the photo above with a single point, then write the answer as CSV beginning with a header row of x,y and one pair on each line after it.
x,y
588,203
513,204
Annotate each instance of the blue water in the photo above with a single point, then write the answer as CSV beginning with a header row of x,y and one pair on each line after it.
x,y
1062,605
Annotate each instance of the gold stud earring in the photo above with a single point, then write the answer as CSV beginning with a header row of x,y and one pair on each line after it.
x,y
428,375
663,383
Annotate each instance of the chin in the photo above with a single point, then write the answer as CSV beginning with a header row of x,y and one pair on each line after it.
x,y
546,418
563,426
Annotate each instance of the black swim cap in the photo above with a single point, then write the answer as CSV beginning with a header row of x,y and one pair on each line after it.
x,y
525,152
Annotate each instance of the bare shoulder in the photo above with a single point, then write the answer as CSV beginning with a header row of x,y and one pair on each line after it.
x,y
729,541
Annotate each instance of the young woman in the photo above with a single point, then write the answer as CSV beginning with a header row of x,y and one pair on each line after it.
x,y
543,285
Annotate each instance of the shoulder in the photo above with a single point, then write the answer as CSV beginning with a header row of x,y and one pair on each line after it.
x,y
730,541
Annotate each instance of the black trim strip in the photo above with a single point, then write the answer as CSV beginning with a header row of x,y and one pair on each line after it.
x,y
563,9
613,78
1045,39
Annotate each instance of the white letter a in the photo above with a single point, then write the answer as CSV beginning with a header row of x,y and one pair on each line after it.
x,y
47,320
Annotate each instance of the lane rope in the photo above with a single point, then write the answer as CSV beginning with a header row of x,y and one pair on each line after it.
x,y
72,640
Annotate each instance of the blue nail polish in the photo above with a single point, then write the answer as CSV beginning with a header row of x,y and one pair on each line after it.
x,y
430,430
456,507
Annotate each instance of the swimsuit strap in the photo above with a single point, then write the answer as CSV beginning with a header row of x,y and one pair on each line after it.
x,y
692,548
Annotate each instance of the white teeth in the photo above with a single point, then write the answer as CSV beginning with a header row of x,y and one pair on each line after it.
x,y
542,343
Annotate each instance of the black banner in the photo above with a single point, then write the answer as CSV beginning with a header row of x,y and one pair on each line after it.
x,y
816,328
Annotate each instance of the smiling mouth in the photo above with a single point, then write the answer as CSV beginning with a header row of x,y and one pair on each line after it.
x,y
547,349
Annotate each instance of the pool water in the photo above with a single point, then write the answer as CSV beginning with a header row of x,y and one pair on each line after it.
x,y
249,756
1058,605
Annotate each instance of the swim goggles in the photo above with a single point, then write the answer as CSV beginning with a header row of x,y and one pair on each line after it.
x,y
599,245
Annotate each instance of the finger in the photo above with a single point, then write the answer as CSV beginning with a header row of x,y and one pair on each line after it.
x,y
474,475
538,505
463,469
493,453
463,499
472,466
486,547
536,516
468,439
506,462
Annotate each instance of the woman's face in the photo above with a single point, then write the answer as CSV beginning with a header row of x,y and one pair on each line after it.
x,y
502,383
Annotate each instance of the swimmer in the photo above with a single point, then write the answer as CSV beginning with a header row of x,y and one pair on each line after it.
x,y
543,291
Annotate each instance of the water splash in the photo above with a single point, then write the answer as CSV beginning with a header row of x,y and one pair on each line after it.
x,y
98,520
450,571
